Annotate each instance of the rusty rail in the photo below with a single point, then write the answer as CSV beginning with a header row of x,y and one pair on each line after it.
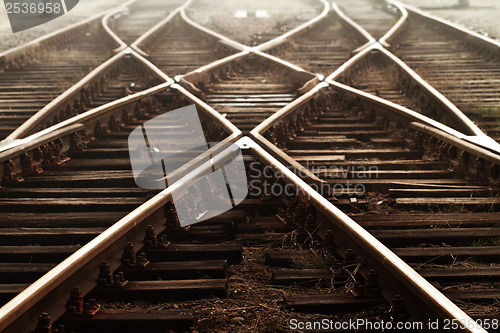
x,y
385,40
395,275
15,152
214,34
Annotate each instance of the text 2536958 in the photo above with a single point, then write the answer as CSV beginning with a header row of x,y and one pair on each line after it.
x,y
33,8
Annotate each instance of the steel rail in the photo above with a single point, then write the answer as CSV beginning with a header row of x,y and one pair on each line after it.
x,y
196,76
398,109
352,61
32,46
45,294
16,148
395,28
377,254
284,63
200,74
13,151
356,26
30,125
28,145
62,99
483,141
460,144
307,25
469,124
311,79
257,133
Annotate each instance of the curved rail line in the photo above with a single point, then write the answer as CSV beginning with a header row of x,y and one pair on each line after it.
x,y
373,15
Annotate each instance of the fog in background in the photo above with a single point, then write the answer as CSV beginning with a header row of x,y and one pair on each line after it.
x,y
84,9
481,15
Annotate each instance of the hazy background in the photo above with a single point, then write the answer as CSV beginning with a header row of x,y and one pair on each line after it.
x,y
481,16
84,9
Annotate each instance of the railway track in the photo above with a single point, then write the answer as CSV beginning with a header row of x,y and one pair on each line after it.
x,y
250,88
459,64
71,188
378,72
424,194
373,15
464,71
428,198
321,48
177,47
32,78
